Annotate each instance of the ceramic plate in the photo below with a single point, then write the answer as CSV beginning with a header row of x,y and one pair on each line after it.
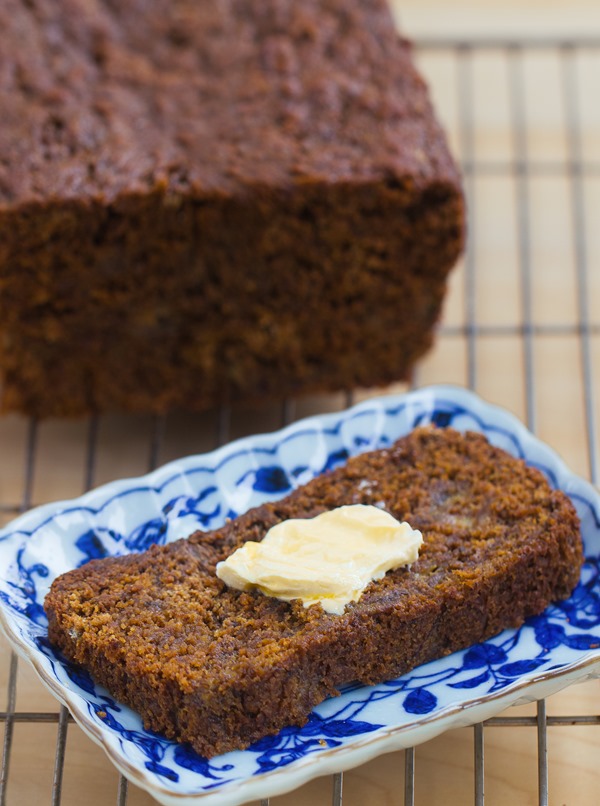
x,y
546,654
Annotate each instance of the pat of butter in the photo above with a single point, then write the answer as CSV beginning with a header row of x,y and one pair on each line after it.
x,y
328,559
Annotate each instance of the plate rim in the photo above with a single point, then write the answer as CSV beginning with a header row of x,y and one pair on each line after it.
x,y
335,759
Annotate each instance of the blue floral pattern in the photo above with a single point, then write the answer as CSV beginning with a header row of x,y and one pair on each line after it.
x,y
200,493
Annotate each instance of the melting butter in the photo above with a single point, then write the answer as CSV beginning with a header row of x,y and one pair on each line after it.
x,y
329,559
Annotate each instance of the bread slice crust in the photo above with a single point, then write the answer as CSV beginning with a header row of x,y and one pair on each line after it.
x,y
219,668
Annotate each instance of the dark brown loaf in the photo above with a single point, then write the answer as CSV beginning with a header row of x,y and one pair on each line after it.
x,y
220,669
202,201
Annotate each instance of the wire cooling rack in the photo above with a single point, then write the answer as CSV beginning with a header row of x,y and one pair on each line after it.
x,y
519,328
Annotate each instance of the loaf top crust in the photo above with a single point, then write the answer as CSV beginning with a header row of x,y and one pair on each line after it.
x,y
102,100
482,513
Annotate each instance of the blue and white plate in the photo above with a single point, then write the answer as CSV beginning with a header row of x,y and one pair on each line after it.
x,y
546,654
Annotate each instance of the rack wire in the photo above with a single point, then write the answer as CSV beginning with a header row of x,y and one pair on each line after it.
x,y
470,330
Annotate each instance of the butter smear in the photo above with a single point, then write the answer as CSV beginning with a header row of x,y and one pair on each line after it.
x,y
329,559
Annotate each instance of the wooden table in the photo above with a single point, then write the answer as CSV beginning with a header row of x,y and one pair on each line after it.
x,y
521,326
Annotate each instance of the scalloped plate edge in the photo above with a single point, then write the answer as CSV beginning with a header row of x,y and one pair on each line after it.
x,y
333,760
529,687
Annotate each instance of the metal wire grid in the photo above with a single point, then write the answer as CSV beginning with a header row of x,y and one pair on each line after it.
x,y
521,170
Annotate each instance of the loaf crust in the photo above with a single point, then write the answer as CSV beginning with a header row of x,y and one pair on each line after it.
x,y
208,201
219,668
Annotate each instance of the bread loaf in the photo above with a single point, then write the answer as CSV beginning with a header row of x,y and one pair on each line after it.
x,y
207,202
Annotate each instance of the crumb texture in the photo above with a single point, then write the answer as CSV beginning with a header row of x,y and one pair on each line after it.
x,y
219,668
208,201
